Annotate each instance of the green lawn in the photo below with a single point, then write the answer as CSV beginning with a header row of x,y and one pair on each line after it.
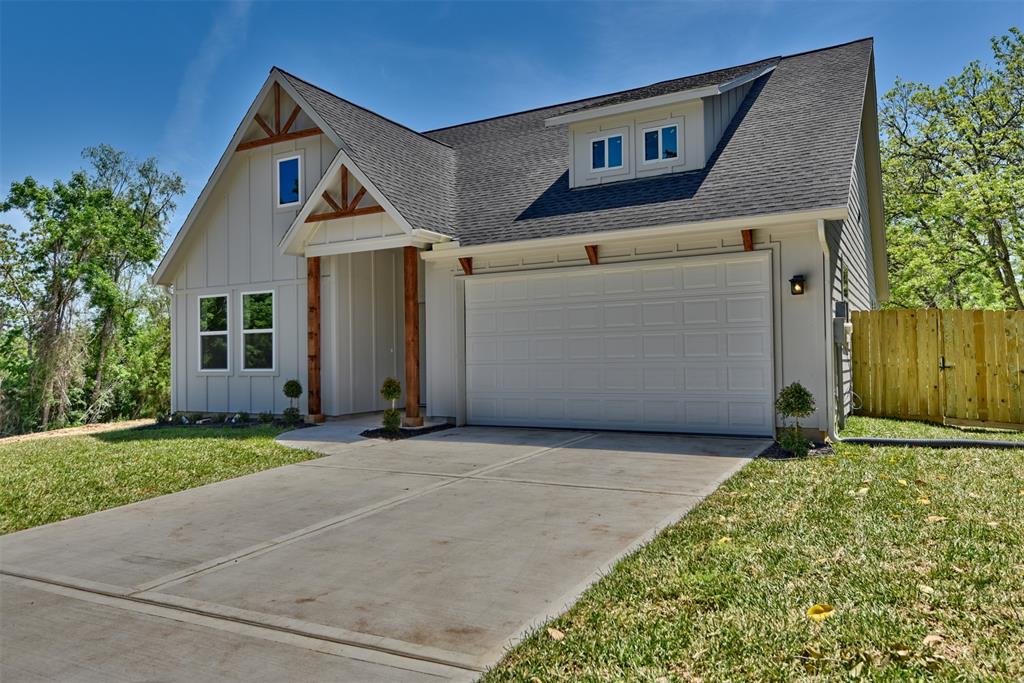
x,y
906,429
919,552
47,480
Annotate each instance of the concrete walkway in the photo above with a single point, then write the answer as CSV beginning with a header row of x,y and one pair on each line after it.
x,y
420,559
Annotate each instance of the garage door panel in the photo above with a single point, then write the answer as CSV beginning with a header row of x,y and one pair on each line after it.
x,y
696,354
752,308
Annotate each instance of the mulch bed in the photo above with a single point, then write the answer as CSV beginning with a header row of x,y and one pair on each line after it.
x,y
777,452
402,433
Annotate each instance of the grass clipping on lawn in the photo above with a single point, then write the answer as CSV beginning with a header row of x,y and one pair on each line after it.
x,y
47,480
883,563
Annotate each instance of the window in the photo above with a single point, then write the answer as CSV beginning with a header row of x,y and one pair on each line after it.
x,y
258,331
661,143
289,181
606,153
213,332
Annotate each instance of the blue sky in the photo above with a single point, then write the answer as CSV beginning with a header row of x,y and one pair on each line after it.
x,y
172,79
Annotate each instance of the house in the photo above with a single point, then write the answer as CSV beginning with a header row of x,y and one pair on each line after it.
x,y
663,258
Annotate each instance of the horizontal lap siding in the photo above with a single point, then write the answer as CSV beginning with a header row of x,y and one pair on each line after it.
x,y
849,244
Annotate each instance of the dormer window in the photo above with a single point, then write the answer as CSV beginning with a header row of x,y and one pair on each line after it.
x,y
606,153
661,143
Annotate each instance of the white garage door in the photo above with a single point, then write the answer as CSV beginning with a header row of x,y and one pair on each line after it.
x,y
679,345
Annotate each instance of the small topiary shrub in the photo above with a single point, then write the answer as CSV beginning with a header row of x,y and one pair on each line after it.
x,y
391,390
242,417
392,420
266,418
292,389
794,401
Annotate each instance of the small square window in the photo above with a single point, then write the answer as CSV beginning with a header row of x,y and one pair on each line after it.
x,y
213,332
289,181
661,143
606,153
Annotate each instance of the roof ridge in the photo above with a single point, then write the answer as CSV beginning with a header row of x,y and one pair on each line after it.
x,y
869,39
598,97
359,106
626,90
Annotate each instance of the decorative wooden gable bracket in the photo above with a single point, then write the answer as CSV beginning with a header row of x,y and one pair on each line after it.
x,y
748,240
346,208
591,253
278,133
467,264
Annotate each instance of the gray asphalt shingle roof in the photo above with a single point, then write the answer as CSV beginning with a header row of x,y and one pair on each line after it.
x,y
790,147
415,173
718,77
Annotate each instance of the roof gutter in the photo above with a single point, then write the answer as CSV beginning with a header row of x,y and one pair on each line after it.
x,y
452,249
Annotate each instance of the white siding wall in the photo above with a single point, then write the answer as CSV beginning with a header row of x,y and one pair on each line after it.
x,y
800,353
718,114
368,334
232,248
850,250
689,116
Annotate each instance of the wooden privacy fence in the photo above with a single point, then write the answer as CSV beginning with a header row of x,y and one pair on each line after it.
x,y
964,367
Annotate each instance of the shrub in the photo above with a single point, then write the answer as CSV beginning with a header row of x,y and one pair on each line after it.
x,y
242,417
292,389
291,415
195,417
392,420
266,418
391,390
794,401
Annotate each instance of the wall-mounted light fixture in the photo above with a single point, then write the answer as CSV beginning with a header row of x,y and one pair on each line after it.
x,y
796,285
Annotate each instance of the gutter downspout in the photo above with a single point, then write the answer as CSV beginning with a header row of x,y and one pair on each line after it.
x,y
830,370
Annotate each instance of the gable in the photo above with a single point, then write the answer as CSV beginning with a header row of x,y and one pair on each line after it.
x,y
258,133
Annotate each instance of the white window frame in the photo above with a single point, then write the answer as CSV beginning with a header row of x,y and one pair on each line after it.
x,y
605,139
277,181
211,333
660,127
272,330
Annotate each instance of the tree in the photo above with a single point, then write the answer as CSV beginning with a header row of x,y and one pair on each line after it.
x,y
144,198
72,290
953,174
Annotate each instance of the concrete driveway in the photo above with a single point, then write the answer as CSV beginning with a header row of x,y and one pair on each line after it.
x,y
413,560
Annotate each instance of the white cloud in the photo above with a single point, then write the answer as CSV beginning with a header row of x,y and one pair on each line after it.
x,y
227,31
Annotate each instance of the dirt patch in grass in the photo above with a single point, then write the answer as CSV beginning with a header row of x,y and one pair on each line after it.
x,y
80,430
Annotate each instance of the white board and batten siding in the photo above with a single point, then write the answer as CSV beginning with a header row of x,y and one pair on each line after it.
x,y
673,345
232,249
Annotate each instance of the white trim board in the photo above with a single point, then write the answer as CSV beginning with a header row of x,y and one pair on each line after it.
x,y
452,250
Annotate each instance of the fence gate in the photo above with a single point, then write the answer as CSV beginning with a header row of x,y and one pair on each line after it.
x,y
962,367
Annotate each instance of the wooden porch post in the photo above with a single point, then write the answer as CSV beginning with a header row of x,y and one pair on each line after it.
x,y
412,338
313,336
